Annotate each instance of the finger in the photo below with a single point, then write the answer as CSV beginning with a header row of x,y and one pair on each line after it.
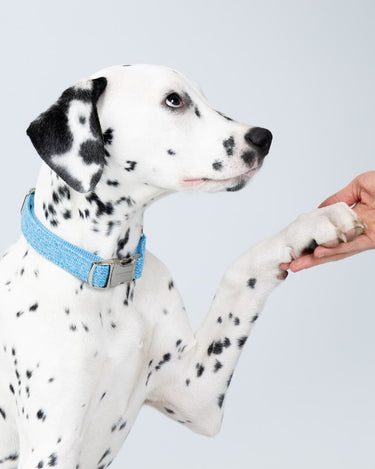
x,y
349,194
306,262
321,255
301,263
359,244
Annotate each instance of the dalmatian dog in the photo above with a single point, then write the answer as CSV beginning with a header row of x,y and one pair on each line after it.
x,y
76,362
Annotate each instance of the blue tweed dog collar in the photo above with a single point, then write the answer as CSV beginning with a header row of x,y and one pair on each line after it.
x,y
97,272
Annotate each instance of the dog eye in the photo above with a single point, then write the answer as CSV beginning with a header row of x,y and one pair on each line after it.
x,y
174,100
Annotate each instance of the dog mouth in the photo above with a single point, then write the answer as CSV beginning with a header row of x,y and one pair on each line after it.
x,y
228,182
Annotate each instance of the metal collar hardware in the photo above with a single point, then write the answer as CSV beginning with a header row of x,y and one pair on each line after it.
x,y
120,270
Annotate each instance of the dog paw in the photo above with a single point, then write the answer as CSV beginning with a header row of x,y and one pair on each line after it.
x,y
327,226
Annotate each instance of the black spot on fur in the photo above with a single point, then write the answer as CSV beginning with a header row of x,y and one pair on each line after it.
x,y
237,187
55,198
51,209
217,366
171,152
122,426
220,400
217,165
229,145
148,377
249,158
41,415
104,455
200,369
166,358
52,459
122,243
102,208
216,347
225,117
64,192
251,282
170,411
130,165
108,136
241,341
128,200
197,113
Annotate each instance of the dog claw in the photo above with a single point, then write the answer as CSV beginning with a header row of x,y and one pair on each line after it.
x,y
342,236
282,275
359,230
359,223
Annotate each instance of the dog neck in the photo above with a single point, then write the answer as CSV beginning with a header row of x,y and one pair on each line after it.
x,y
107,222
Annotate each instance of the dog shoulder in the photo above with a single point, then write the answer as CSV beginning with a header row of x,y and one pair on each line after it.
x,y
156,277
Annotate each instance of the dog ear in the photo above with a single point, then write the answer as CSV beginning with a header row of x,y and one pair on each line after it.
x,y
68,135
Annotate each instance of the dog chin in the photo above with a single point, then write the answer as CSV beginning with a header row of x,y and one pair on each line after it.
x,y
237,187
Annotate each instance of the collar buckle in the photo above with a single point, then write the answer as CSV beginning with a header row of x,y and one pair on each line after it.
x,y
31,191
120,271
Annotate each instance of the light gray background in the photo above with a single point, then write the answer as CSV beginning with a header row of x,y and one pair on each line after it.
x,y
303,393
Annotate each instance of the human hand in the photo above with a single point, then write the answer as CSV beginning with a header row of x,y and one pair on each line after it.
x,y
361,192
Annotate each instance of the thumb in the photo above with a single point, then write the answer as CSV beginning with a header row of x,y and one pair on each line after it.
x,y
350,195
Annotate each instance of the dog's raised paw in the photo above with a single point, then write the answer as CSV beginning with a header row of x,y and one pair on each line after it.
x,y
327,226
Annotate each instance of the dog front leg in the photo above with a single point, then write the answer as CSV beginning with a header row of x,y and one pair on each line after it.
x,y
42,450
192,387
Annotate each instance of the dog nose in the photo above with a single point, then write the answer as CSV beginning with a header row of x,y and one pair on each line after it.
x,y
260,138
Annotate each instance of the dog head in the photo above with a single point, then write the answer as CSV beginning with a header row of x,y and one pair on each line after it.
x,y
148,123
